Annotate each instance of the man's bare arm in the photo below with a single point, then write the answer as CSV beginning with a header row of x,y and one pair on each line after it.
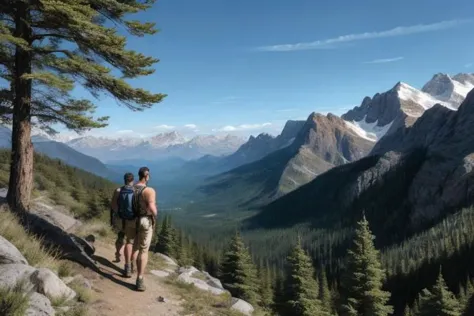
x,y
151,201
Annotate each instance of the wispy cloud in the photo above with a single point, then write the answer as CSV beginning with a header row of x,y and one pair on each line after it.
x,y
469,65
190,126
243,127
397,31
383,60
125,131
163,127
288,110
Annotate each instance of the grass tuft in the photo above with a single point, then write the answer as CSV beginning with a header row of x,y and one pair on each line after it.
x,y
29,245
14,301
84,295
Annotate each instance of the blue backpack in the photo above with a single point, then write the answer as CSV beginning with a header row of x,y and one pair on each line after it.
x,y
126,202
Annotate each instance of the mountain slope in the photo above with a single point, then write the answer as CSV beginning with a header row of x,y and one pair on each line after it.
x,y
404,185
322,143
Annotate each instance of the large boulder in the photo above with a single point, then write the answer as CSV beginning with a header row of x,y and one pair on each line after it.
x,y
200,284
40,305
242,306
202,280
42,281
9,253
49,284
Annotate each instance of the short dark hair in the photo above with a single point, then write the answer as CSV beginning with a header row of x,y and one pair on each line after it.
x,y
143,172
128,177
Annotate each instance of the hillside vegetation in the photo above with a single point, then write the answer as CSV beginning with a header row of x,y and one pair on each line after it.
x,y
87,195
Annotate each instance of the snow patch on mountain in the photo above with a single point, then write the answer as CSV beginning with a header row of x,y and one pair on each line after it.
x,y
409,93
369,131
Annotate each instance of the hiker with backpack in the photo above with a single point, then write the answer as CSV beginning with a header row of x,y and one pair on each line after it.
x,y
146,213
123,206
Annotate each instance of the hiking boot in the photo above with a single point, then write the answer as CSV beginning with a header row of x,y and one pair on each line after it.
x,y
140,285
127,271
117,257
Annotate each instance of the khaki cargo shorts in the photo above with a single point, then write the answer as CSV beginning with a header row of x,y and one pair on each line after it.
x,y
130,230
144,234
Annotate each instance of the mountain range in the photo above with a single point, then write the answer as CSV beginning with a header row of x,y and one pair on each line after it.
x,y
324,142
159,146
410,179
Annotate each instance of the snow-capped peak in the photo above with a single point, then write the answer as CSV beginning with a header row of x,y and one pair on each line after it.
x,y
451,90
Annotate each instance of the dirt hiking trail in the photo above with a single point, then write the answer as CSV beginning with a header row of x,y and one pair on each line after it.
x,y
115,295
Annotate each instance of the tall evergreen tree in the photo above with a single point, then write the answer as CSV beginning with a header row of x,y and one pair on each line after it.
x,y
324,292
238,273
301,287
365,276
266,287
49,46
438,301
166,239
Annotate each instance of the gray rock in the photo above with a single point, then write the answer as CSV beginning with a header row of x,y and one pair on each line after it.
x,y
11,274
213,281
168,260
200,284
42,281
49,284
242,306
9,253
40,305
160,273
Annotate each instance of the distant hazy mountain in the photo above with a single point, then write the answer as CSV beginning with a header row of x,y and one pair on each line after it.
x,y
322,143
44,145
160,146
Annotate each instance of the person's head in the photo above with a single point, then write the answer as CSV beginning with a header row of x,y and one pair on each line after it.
x,y
144,174
128,178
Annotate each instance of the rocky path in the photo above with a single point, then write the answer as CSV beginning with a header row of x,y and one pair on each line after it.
x,y
115,295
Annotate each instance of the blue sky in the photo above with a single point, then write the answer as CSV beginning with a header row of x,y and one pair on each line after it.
x,y
248,66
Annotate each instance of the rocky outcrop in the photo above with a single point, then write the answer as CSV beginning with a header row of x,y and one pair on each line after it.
x,y
202,281
39,284
9,254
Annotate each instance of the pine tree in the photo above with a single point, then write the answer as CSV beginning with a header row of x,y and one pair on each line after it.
x,y
238,273
49,46
439,300
407,311
266,287
324,292
365,275
166,239
301,287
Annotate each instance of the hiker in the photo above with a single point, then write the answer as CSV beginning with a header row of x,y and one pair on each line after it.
x,y
116,224
122,205
146,212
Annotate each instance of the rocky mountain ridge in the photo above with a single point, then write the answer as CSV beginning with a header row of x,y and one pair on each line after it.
x,y
412,177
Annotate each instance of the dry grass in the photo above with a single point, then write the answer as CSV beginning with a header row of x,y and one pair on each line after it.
x,y
84,295
99,229
29,245
13,301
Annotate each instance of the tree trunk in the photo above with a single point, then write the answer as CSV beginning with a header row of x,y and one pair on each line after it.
x,y
21,168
